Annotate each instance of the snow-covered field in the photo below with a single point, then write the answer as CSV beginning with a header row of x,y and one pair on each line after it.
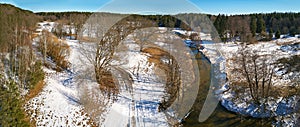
x,y
203,36
138,104
48,26
281,108
72,97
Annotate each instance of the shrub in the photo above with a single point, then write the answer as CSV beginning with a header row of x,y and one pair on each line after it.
x,y
36,74
56,49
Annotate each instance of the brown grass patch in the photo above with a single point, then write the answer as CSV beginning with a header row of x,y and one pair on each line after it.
x,y
33,93
57,49
90,122
286,43
108,85
287,91
275,91
156,54
32,123
36,90
155,51
173,80
34,35
87,39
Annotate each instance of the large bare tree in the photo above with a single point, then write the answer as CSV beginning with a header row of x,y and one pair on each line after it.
x,y
107,45
254,69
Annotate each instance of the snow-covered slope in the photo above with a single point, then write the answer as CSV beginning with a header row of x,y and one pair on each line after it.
x,y
58,104
70,97
282,108
48,26
138,105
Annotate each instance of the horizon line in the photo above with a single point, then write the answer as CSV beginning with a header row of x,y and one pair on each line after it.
x,y
206,13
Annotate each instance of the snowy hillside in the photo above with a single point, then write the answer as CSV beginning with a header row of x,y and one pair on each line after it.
x,y
58,104
73,97
138,104
281,107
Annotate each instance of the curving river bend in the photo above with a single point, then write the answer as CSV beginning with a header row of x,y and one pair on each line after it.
x,y
220,117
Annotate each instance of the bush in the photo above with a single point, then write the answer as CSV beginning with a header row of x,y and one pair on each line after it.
x,y
55,49
291,63
36,74
277,34
58,52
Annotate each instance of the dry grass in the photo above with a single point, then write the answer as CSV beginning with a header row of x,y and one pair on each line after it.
x,y
275,91
161,68
36,90
88,39
32,123
57,49
108,86
34,35
90,122
286,91
286,43
155,51
156,54
33,93
173,80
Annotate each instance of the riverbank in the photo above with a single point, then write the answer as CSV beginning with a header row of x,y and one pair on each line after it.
x,y
281,108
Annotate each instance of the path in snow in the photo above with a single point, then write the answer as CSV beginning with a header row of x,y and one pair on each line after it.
x,y
137,103
58,104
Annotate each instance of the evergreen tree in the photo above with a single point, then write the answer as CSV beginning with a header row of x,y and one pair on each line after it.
x,y
271,34
277,34
12,114
253,25
217,23
293,31
220,24
261,26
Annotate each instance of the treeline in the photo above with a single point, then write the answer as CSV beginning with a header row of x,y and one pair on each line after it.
x,y
250,27
74,20
20,71
256,26
162,20
54,16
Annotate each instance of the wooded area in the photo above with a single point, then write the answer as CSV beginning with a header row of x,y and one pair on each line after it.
x,y
250,27
20,71
257,26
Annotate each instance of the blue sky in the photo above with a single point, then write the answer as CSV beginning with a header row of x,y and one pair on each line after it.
x,y
206,6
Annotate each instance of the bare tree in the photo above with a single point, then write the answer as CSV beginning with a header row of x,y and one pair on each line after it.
x,y
58,29
254,69
54,48
107,45
143,37
77,20
43,44
173,82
